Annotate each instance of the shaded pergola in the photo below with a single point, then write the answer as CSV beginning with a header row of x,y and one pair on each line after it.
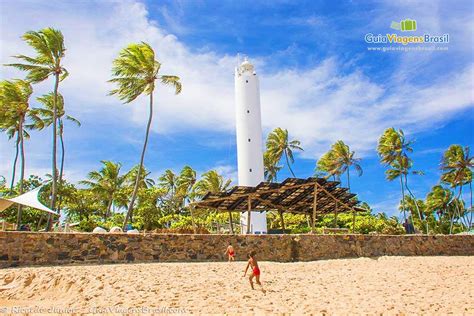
x,y
311,196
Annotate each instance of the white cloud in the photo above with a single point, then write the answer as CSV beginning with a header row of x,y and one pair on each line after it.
x,y
317,105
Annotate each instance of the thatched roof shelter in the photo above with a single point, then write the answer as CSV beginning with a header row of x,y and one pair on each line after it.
x,y
309,196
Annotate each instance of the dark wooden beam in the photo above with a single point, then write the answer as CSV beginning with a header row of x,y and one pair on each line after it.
x,y
249,212
315,206
231,224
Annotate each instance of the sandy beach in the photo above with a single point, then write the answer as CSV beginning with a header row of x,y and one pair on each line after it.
x,y
389,285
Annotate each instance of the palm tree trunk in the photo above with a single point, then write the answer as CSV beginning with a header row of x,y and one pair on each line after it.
x,y
454,212
416,203
40,221
348,180
14,163
288,164
142,158
231,224
61,167
54,185
470,219
22,171
403,200
109,206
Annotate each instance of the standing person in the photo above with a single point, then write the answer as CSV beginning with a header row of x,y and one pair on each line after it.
x,y
230,252
252,263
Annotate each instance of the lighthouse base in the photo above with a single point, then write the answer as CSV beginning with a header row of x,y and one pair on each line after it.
x,y
258,223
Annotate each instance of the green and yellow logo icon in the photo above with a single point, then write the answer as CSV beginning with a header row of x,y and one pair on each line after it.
x,y
404,26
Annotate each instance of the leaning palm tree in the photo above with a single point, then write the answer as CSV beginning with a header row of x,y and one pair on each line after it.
x,y
135,72
279,145
15,111
106,183
49,46
457,165
47,115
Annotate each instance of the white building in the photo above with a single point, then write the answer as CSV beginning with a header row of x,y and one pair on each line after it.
x,y
249,139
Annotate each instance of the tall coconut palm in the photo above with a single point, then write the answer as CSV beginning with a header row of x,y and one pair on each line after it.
x,y
278,145
47,114
271,167
15,110
49,46
135,72
106,183
457,165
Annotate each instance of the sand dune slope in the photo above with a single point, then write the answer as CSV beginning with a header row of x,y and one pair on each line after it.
x,y
389,285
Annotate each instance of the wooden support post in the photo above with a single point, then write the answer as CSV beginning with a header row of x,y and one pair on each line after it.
x,y
335,216
191,209
282,221
249,212
231,224
315,206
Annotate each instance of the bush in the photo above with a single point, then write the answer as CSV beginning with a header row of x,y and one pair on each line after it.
x,y
182,230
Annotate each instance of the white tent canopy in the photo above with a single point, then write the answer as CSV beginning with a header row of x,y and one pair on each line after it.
x,y
28,199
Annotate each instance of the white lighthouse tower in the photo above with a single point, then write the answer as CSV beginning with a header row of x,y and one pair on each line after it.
x,y
249,139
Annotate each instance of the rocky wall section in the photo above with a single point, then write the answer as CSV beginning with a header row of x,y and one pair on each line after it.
x,y
28,248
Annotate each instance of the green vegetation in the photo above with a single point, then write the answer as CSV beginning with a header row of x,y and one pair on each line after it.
x,y
111,196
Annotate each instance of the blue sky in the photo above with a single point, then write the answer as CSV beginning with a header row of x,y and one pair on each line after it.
x,y
317,78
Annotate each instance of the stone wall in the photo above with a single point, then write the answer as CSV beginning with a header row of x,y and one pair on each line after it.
x,y
27,248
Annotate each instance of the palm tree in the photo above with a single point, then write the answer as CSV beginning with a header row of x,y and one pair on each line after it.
x,y
327,165
393,144
47,115
279,145
168,181
393,149
106,183
211,181
457,165
271,167
10,126
185,188
439,200
339,160
15,110
49,46
135,72
185,183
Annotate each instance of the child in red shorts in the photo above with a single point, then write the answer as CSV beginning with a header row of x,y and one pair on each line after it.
x,y
253,264
230,253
